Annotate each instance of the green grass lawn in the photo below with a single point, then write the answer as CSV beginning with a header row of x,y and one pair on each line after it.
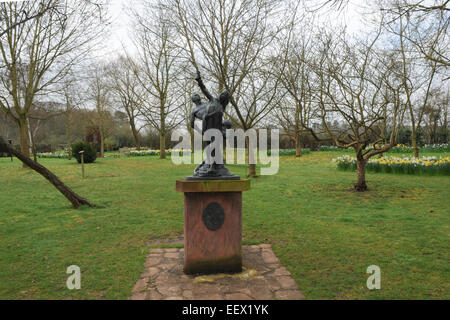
x,y
323,232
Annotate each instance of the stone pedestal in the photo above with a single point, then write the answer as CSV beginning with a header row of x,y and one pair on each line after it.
x,y
212,225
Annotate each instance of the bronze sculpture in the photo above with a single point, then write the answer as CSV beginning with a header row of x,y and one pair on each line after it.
x,y
211,114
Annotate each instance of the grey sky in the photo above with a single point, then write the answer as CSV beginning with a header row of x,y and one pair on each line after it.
x,y
121,34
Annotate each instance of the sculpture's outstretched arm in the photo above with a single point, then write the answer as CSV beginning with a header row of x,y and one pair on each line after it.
x,y
202,87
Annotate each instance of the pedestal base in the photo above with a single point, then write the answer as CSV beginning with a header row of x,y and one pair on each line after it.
x,y
212,225
231,177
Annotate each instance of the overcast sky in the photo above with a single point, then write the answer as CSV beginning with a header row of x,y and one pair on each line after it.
x,y
350,15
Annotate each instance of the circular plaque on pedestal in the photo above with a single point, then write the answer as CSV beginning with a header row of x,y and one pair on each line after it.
x,y
213,216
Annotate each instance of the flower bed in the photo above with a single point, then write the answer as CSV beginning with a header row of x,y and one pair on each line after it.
x,y
425,165
151,152
141,153
400,148
442,147
53,155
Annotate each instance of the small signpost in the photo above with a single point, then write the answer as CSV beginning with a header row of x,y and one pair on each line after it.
x,y
82,162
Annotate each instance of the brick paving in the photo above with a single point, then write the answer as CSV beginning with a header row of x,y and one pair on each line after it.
x,y
163,278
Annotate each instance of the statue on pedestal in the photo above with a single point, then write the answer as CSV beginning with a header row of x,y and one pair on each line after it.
x,y
211,114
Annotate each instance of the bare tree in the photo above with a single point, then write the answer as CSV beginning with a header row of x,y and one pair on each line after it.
x,y
418,73
429,18
38,53
435,115
40,111
188,89
99,94
424,26
315,6
37,10
128,92
72,101
296,109
351,82
233,42
158,71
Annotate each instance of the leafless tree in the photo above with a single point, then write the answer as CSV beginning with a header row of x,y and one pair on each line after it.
x,y
231,43
418,72
315,6
37,10
158,71
188,87
408,6
37,53
435,115
127,92
428,18
296,110
72,100
424,26
351,82
99,95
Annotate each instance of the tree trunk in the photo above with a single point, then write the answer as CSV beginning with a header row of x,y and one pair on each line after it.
x,y
251,167
33,145
192,137
68,135
24,138
414,143
102,142
162,146
5,126
445,126
137,139
191,140
74,198
252,171
298,147
360,184
435,135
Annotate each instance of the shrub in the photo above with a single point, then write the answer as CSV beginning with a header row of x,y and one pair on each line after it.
x,y
90,154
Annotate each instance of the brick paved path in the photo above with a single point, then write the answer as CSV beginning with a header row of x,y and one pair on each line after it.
x,y
163,279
